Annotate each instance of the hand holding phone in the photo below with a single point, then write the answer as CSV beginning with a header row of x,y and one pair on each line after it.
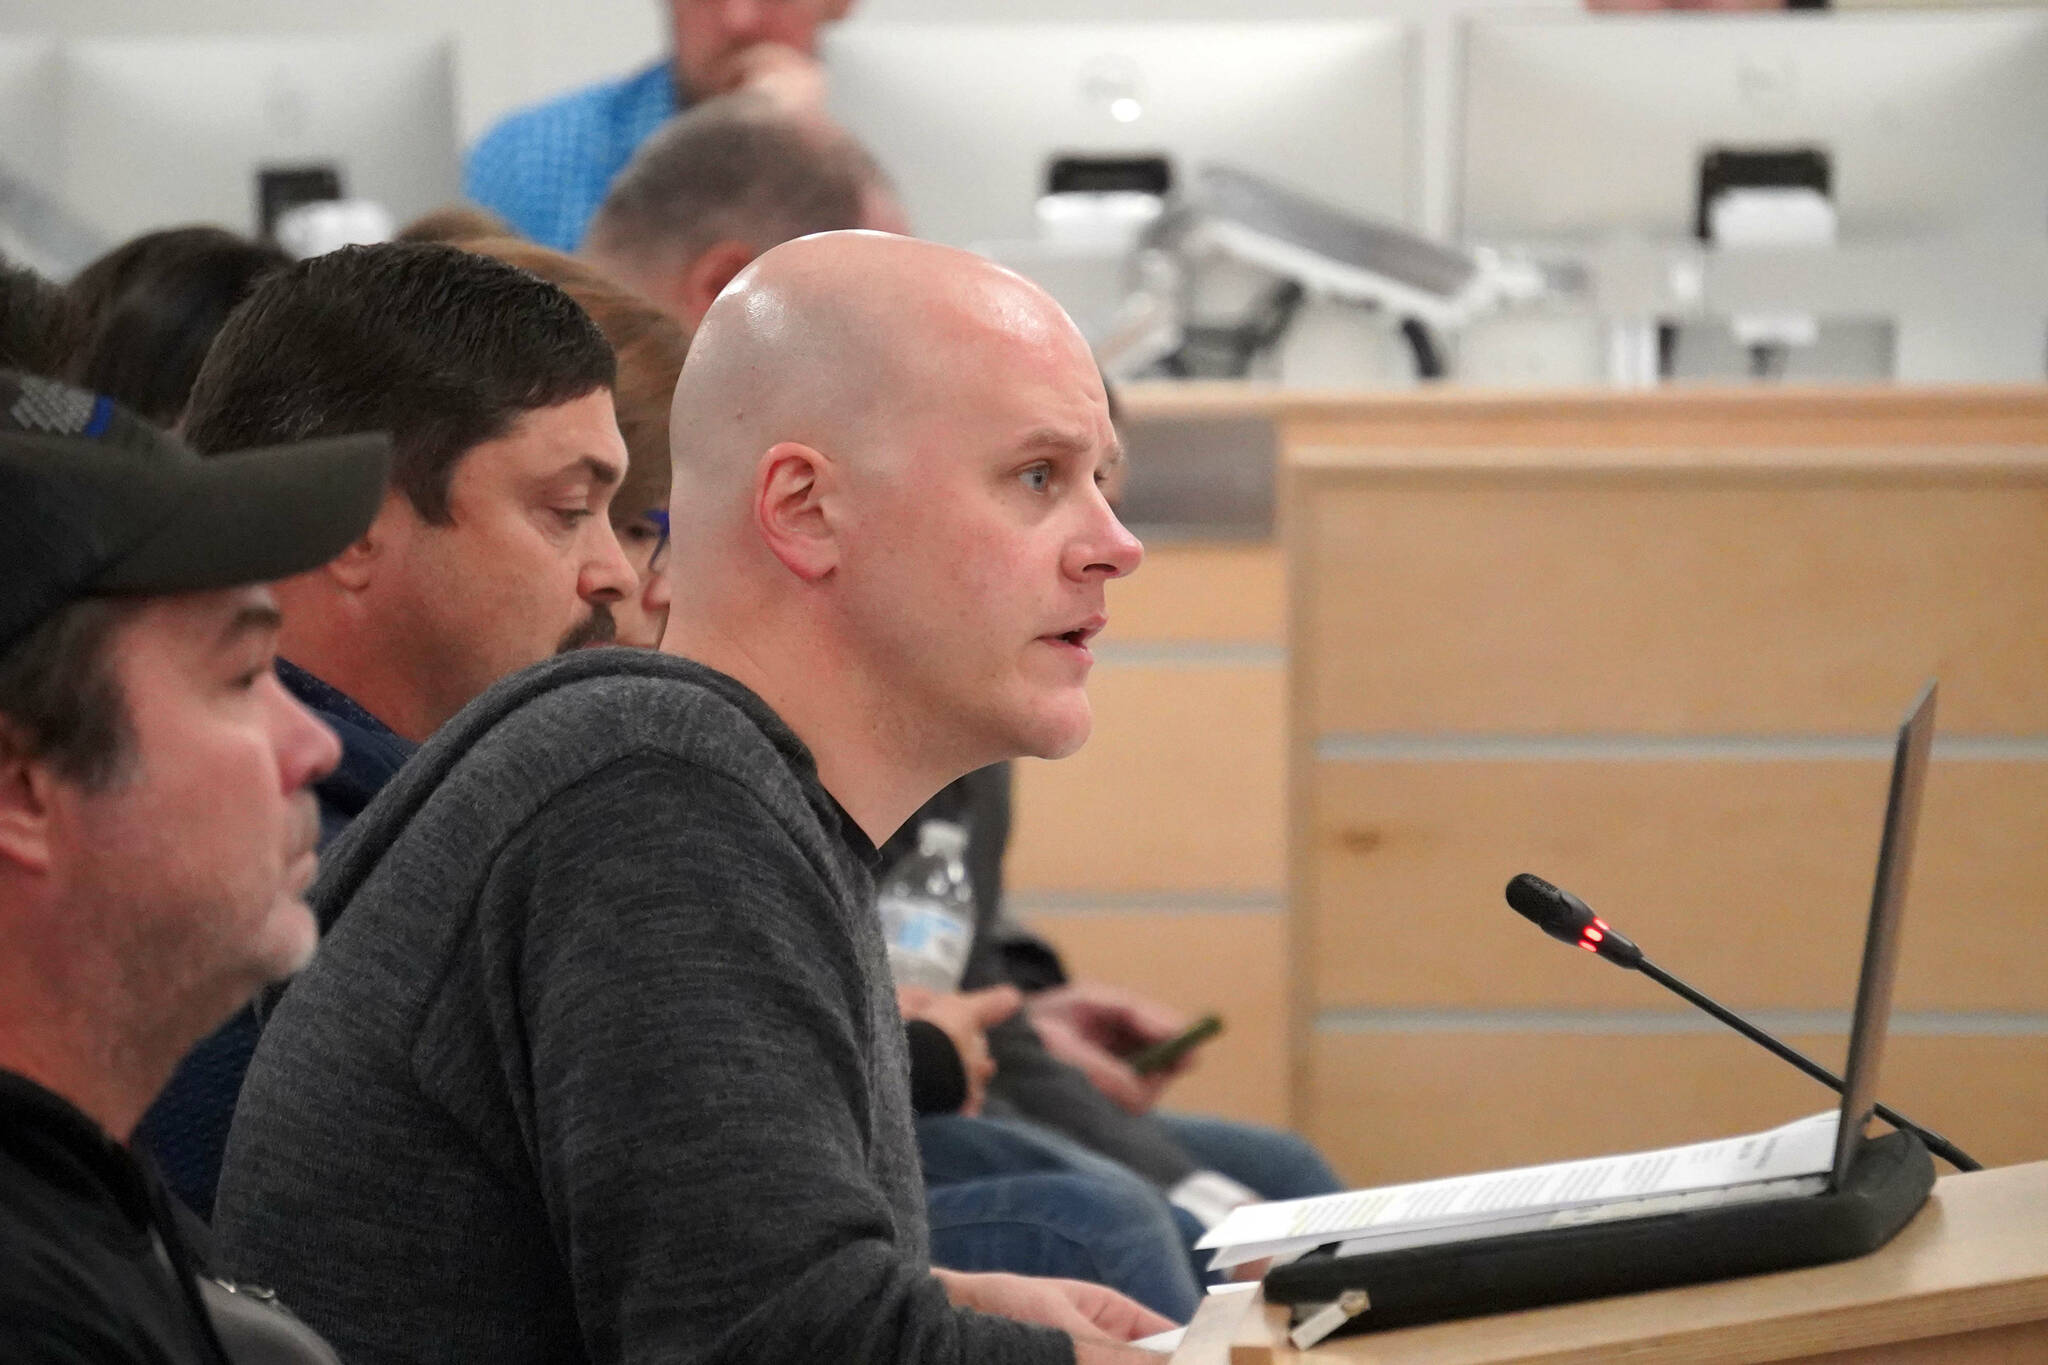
x,y
1147,1061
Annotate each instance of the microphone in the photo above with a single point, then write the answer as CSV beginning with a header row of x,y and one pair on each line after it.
x,y
1568,919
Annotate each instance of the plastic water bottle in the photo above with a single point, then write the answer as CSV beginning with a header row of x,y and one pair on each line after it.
x,y
927,909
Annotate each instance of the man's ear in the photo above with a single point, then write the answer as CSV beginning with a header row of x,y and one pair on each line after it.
x,y
794,491
25,792
707,275
355,566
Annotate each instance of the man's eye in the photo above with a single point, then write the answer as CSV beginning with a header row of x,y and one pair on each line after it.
x,y
1038,478
245,681
572,516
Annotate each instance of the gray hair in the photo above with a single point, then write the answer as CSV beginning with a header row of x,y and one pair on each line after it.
x,y
738,167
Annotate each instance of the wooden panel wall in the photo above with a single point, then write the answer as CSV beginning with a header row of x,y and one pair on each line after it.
x,y
1652,648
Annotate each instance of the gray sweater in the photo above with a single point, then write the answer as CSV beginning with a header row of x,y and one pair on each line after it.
x,y
601,1062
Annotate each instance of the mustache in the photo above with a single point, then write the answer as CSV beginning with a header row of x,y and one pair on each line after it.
x,y
596,629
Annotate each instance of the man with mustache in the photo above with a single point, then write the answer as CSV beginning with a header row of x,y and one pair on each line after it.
x,y
492,550
156,828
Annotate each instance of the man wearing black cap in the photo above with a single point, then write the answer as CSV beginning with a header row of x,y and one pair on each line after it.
x,y
156,827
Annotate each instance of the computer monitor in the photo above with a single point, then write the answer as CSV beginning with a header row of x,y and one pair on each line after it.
x,y
967,117
34,229
163,131
28,109
1583,125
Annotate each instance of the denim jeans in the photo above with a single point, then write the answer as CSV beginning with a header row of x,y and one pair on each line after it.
x,y
961,1152
1069,1225
1277,1164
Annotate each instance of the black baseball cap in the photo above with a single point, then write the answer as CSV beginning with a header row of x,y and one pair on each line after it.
x,y
96,502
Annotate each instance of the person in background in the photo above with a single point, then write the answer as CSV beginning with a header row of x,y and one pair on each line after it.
x,y
649,346
455,224
492,550
150,308
38,324
545,168
721,184
156,830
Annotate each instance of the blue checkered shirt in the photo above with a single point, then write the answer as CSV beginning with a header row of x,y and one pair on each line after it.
x,y
545,168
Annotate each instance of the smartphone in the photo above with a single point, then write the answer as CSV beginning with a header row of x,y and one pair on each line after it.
x,y
1161,1055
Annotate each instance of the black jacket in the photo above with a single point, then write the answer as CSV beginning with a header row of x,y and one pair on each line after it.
x,y
92,1266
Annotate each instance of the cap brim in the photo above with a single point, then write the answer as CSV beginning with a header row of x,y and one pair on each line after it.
x,y
257,515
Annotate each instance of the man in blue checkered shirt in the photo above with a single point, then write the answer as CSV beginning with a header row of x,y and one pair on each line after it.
x,y
545,168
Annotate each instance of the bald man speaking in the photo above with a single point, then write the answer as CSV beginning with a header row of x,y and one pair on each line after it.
x,y
601,1060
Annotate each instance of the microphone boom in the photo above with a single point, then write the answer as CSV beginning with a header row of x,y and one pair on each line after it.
x,y
1568,919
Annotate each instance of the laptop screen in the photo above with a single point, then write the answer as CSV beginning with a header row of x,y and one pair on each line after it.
x,y
1881,942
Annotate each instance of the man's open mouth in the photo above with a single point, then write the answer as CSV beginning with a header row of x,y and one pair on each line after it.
x,y
1080,635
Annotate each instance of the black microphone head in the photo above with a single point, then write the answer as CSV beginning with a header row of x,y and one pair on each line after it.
x,y
1566,918
1552,909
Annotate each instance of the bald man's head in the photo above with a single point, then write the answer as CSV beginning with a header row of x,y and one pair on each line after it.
x,y
902,443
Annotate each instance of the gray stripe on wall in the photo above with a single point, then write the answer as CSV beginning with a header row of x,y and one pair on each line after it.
x,y
1146,902
1391,748
1905,1023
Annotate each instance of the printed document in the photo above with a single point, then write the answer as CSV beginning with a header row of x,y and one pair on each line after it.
x,y
1793,1159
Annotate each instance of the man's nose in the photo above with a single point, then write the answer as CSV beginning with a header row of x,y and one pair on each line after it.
x,y
743,17
307,748
1110,551
656,592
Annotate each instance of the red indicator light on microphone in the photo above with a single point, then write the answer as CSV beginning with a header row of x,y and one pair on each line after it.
x,y
1588,946
1593,935
1600,924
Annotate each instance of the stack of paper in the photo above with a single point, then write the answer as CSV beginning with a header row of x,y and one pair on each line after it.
x,y
1785,1161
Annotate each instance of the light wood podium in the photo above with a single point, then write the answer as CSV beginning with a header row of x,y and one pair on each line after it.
x,y
1965,1284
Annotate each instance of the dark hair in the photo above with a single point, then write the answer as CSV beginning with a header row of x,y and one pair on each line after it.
x,y
441,348
649,345
741,167
59,698
149,309
38,325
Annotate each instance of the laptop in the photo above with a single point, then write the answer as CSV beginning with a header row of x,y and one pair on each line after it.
x,y
1881,941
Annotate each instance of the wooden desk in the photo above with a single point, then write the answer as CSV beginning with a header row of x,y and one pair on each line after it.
x,y
1965,1284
